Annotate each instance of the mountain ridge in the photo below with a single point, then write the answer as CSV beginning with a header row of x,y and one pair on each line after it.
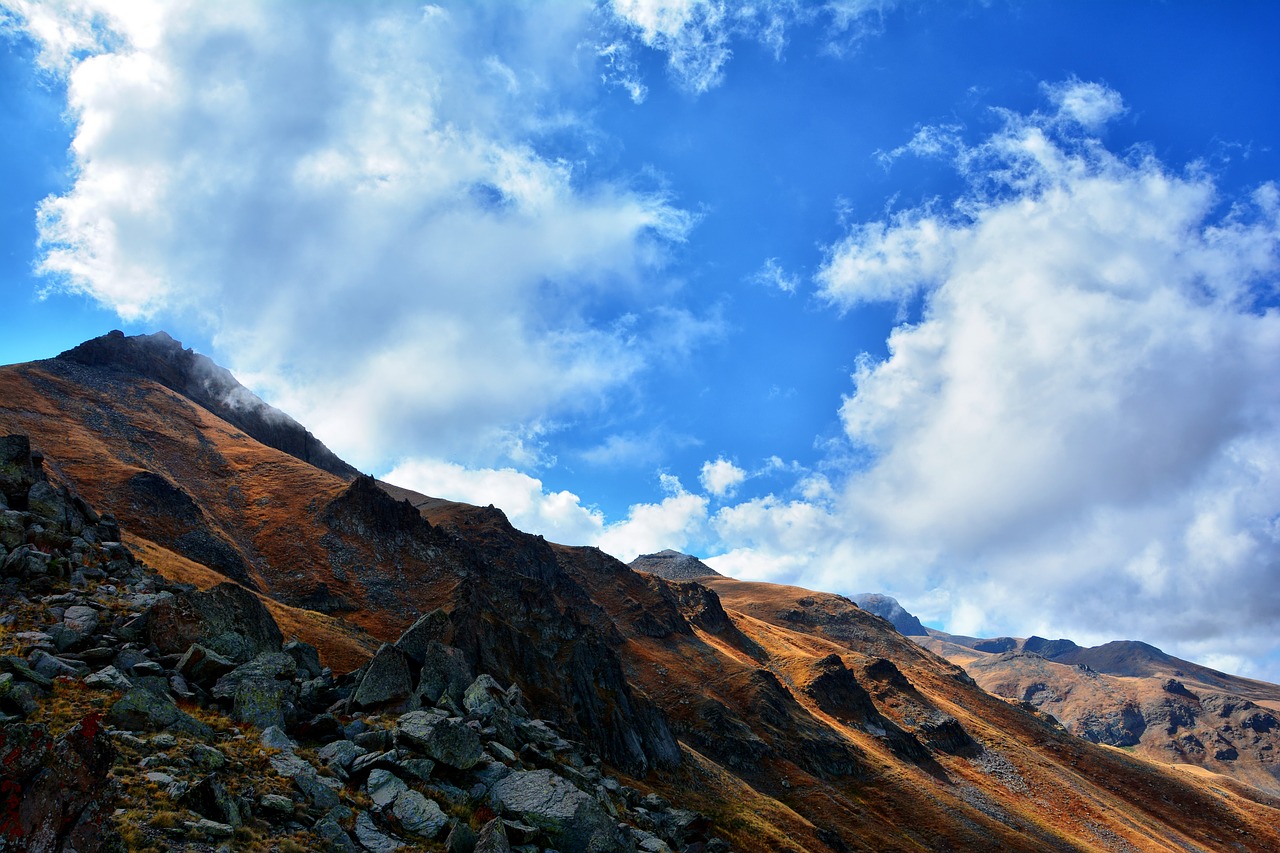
x,y
801,721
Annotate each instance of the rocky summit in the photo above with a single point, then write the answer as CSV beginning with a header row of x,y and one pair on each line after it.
x,y
215,637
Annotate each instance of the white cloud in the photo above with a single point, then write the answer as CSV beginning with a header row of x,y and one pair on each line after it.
x,y
1083,420
721,478
353,200
678,521
772,274
559,516
697,35
1091,105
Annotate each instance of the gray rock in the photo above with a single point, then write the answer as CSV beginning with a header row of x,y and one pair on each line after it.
x,y
108,678
461,839
339,754
334,836
206,757
140,710
80,619
268,665
211,828
228,619
387,678
445,672
320,792
290,765
26,561
418,768
484,696
209,798
273,737
276,803
429,627
373,839
203,666
448,741
493,838
418,815
540,796
572,818
383,787
306,657
264,703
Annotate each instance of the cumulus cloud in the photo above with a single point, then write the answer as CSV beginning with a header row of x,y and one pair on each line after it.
x,y
678,521
1082,421
721,477
355,200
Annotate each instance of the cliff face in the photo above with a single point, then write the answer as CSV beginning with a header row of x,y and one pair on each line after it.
x,y
791,719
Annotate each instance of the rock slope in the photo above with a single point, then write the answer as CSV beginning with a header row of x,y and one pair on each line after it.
x,y
143,714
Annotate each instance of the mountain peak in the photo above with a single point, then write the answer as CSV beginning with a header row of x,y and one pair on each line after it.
x,y
887,607
673,565
161,358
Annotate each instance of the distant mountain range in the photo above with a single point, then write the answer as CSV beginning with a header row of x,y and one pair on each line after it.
x,y
1126,694
703,712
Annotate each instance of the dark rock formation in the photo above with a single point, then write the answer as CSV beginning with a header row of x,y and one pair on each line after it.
x,y
162,359
54,792
887,607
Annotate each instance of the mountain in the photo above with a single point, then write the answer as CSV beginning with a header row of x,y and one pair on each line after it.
x,y
887,607
673,566
703,714
1133,696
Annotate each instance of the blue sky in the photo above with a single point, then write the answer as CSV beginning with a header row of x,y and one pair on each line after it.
x,y
970,303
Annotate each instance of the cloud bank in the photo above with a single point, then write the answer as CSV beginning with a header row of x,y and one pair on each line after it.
x,y
372,207
1081,427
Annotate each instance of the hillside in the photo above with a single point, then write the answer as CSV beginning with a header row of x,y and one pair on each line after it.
x,y
789,719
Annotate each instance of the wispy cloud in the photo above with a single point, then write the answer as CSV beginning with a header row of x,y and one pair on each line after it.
x,y
697,36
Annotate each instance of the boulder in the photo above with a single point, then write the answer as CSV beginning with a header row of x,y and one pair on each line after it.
x,y
17,472
445,672
448,741
228,619
306,656
203,666
141,711
484,696
418,815
572,818
209,798
373,839
430,627
26,561
383,787
108,678
461,839
493,838
386,679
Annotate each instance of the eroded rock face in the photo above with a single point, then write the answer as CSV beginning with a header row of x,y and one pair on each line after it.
x,y
55,794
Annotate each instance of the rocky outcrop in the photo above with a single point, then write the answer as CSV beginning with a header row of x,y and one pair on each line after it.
x,y
887,607
54,792
673,565
209,716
